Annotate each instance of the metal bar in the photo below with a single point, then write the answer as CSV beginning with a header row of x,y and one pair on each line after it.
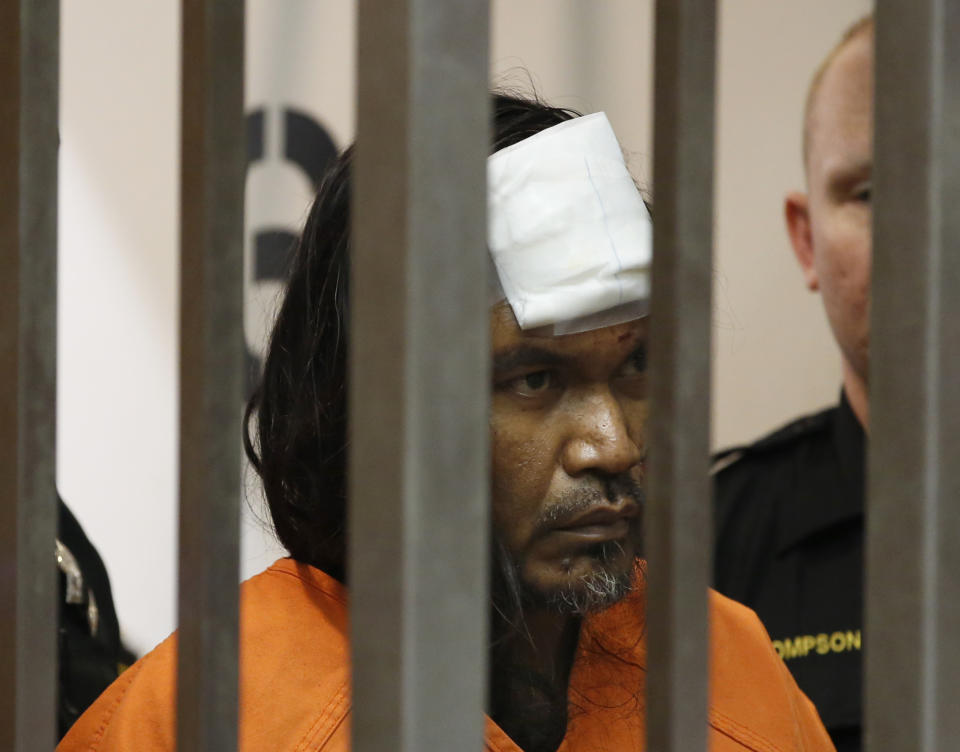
x,y
419,377
678,509
211,371
29,79
913,521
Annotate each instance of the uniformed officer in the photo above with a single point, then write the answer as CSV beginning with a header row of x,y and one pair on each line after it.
x,y
789,514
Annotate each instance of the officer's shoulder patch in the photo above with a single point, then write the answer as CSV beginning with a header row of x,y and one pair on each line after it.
x,y
781,438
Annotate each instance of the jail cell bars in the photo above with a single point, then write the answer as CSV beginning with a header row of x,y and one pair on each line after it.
x,y
913,543
211,371
418,455
418,630
29,79
677,517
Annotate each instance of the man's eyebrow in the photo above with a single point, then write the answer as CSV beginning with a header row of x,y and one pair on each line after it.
x,y
520,356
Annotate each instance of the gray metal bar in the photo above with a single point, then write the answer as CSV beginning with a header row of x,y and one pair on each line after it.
x,y
29,80
419,377
678,509
211,370
913,522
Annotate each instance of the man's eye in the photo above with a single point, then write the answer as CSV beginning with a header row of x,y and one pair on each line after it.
x,y
536,381
862,193
533,384
636,363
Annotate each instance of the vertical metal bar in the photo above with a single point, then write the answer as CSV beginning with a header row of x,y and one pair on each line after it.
x,y
29,80
211,370
419,377
678,513
913,520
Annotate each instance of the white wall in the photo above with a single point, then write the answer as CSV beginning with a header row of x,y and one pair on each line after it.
x,y
118,224
774,354
118,295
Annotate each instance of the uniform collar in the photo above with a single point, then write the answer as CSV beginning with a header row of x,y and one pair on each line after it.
x,y
849,439
829,488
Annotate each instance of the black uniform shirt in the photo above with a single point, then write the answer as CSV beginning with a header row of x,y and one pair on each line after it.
x,y
91,654
789,525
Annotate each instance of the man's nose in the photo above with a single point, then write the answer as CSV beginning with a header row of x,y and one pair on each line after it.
x,y
600,439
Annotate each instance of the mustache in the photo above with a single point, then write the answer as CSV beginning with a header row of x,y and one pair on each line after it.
x,y
577,501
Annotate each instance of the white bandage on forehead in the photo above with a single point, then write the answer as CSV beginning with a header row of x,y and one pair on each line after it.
x,y
568,232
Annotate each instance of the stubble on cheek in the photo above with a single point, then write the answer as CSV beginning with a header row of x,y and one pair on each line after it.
x,y
518,485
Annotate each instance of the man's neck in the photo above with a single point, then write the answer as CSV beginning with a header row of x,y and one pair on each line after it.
x,y
552,644
530,674
855,387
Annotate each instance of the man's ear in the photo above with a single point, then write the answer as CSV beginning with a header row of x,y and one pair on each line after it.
x,y
796,208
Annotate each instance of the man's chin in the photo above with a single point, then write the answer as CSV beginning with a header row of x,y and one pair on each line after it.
x,y
577,582
586,587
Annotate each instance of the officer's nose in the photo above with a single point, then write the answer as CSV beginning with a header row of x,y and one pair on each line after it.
x,y
600,439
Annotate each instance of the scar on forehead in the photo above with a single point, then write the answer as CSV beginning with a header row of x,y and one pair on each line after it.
x,y
625,335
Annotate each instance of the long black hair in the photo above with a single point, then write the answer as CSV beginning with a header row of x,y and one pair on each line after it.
x,y
297,444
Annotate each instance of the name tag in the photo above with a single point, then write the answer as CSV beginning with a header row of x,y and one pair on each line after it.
x,y
819,644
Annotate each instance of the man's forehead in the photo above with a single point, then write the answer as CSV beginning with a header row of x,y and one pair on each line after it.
x,y
507,334
841,121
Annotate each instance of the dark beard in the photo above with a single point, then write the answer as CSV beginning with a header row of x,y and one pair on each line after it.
x,y
593,592
599,589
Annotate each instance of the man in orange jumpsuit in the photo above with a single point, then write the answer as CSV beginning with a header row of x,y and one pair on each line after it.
x,y
570,239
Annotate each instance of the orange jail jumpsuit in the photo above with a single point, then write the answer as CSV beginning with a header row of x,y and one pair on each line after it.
x,y
295,681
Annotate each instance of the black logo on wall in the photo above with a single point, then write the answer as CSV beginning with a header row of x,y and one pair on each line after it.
x,y
308,146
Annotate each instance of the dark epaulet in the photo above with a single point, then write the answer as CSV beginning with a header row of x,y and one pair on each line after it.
x,y
782,437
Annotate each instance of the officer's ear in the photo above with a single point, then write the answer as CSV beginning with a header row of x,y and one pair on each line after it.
x,y
796,209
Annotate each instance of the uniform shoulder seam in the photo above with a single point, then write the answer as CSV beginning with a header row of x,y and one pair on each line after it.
x,y
781,437
722,460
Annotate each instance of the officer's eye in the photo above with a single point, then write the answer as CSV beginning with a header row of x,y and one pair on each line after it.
x,y
862,193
